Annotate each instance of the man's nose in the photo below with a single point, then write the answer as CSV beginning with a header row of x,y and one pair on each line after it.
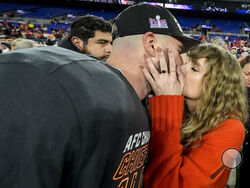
x,y
108,48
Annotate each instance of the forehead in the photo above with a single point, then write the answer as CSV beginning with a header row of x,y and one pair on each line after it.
x,y
103,35
247,67
202,61
202,64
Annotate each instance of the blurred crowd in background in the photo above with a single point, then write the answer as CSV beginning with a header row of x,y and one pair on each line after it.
x,y
24,35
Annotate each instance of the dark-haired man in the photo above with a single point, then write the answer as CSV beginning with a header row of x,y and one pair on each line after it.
x,y
89,35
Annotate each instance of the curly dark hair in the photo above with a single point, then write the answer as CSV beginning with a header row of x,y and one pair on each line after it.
x,y
85,26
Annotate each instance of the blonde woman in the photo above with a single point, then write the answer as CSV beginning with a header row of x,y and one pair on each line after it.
x,y
186,148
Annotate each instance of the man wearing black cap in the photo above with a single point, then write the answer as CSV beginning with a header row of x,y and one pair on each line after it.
x,y
139,31
68,121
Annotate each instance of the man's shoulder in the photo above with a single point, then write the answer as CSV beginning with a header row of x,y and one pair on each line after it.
x,y
67,44
63,42
48,59
72,70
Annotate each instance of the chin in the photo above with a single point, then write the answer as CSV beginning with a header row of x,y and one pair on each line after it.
x,y
187,98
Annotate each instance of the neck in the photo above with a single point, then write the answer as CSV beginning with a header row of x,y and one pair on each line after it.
x,y
132,71
139,84
191,104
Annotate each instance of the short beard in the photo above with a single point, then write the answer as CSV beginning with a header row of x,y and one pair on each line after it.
x,y
85,51
104,58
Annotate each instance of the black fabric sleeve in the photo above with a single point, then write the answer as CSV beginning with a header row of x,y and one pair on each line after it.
x,y
39,136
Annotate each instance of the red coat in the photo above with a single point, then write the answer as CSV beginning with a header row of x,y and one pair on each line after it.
x,y
169,167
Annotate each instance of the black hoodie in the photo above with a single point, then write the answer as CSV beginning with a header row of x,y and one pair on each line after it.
x,y
66,43
68,121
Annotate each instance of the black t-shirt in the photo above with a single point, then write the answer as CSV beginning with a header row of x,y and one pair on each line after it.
x,y
68,121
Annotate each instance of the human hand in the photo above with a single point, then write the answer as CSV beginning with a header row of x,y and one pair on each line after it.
x,y
164,83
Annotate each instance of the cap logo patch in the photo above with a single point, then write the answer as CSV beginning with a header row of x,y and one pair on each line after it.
x,y
157,22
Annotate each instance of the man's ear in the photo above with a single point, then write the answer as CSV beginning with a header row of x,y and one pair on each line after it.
x,y
149,43
77,42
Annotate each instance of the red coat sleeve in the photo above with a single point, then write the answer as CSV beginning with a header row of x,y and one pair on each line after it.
x,y
168,166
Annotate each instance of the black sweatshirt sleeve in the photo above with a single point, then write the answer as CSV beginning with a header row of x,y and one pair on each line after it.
x,y
39,136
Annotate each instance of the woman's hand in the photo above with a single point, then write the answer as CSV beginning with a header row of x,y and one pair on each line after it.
x,y
164,83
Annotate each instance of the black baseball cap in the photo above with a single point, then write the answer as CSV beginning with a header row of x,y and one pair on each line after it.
x,y
142,18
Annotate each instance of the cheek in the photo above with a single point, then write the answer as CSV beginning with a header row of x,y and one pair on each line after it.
x,y
95,49
192,86
244,77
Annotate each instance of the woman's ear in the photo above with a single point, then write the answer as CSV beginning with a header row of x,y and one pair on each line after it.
x,y
77,42
149,43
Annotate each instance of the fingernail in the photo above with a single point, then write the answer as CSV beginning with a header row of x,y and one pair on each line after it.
x,y
146,56
170,51
159,49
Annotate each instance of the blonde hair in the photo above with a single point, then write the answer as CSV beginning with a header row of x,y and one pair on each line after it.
x,y
218,41
223,94
21,43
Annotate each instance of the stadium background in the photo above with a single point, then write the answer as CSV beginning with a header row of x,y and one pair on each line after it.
x,y
48,21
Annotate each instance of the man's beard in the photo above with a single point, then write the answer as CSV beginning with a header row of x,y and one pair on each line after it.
x,y
85,51
104,58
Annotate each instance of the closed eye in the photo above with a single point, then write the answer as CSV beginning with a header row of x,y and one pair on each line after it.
x,y
102,42
195,70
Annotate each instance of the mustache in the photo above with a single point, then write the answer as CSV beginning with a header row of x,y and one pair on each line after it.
x,y
105,57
